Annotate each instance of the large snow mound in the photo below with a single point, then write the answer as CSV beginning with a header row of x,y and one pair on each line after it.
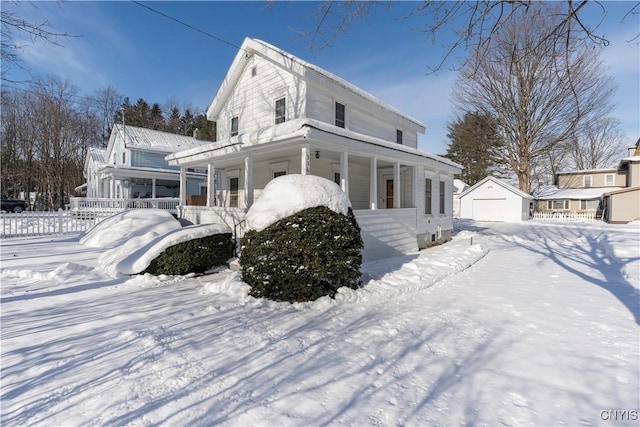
x,y
127,225
288,194
134,259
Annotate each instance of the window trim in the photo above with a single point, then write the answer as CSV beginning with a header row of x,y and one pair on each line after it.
x,y
343,120
586,207
443,188
283,117
613,179
551,203
279,168
235,132
428,196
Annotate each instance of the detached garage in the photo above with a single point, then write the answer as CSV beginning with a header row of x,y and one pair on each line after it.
x,y
494,200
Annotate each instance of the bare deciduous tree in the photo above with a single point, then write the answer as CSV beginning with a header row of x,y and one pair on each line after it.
x,y
537,92
598,143
10,25
474,23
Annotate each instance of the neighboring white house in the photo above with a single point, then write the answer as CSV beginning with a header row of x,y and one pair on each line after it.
x,y
277,114
494,200
458,187
134,166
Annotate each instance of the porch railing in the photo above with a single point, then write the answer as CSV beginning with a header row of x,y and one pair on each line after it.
x,y
117,205
569,216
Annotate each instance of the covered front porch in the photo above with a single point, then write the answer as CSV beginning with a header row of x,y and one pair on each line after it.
x,y
385,183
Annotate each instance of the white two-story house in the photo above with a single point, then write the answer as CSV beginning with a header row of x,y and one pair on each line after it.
x,y
277,114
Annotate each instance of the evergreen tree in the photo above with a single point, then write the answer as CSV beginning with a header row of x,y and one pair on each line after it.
x,y
172,125
187,123
156,118
207,128
474,144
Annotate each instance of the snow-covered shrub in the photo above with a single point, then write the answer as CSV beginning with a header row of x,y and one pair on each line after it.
x,y
304,256
193,256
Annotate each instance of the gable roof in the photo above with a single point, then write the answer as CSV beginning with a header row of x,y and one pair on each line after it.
x,y
152,140
295,65
500,183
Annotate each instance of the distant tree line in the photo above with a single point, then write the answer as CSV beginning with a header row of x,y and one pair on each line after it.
x,y
47,128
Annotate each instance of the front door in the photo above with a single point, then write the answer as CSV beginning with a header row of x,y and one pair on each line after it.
x,y
389,193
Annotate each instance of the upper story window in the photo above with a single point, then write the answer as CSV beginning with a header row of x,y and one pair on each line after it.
x,y
587,181
609,179
441,197
124,158
281,110
234,126
341,115
398,136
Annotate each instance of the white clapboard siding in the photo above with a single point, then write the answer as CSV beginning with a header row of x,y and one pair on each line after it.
x,y
387,232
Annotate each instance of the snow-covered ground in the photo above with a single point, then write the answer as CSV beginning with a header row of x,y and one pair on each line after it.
x,y
514,324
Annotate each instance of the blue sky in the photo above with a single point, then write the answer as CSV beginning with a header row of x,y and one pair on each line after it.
x,y
145,55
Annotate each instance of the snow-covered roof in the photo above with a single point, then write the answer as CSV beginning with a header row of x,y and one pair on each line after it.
x,y
583,171
630,159
575,193
623,190
251,46
154,140
299,128
97,155
459,186
500,183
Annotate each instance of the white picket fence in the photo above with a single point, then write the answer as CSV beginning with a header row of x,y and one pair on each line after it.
x,y
45,223
565,216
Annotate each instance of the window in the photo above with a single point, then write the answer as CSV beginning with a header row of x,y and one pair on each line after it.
x,y
586,181
340,115
558,205
233,192
234,126
398,136
124,158
281,110
279,168
336,178
589,204
427,196
609,180
441,197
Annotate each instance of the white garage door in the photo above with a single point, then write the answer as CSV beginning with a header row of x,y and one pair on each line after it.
x,y
490,210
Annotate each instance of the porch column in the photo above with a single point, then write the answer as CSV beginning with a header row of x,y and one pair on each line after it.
x,y
305,165
396,185
344,172
248,182
183,186
112,188
153,188
211,191
373,184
